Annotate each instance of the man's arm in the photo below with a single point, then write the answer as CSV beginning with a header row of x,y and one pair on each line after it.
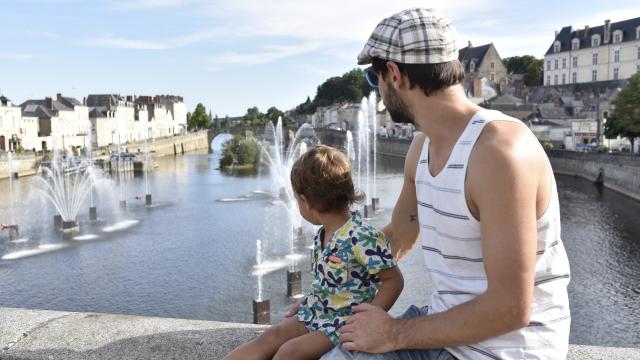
x,y
502,184
404,229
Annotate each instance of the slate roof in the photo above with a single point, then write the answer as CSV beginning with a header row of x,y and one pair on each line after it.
x,y
477,54
566,35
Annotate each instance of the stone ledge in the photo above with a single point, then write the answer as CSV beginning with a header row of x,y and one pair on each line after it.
x,y
41,334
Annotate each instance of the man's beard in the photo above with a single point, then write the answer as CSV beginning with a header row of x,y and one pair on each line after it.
x,y
398,110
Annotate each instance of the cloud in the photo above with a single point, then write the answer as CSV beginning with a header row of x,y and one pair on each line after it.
x,y
128,5
21,56
271,53
122,43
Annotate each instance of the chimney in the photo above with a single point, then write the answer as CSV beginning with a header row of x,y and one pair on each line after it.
x,y
59,97
129,98
49,103
586,31
555,36
607,31
470,46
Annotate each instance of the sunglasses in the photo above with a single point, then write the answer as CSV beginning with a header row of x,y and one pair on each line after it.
x,y
371,76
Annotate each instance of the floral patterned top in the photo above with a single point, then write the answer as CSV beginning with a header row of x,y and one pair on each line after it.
x,y
345,274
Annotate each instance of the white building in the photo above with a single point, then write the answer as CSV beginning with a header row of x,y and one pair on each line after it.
x,y
10,132
63,121
607,52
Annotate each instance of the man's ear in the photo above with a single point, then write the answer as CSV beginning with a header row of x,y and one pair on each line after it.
x,y
396,77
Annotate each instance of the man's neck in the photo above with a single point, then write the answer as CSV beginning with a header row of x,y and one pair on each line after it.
x,y
444,115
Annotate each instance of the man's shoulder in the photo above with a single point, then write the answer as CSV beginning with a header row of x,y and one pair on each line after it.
x,y
509,141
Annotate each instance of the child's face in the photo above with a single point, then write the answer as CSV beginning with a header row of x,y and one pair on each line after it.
x,y
306,210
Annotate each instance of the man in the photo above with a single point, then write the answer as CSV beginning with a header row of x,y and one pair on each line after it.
x,y
480,195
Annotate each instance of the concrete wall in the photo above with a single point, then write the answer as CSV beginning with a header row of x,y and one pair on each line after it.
x,y
621,172
41,334
174,145
22,164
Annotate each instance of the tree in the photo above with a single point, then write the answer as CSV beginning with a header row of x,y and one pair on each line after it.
x,y
253,116
534,73
625,119
199,118
350,87
528,65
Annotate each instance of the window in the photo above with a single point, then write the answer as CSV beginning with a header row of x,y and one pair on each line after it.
x,y
555,79
616,55
594,75
493,65
549,79
575,44
472,66
575,61
556,47
564,63
616,72
638,68
617,37
492,77
639,53
595,40
564,79
555,64
574,77
595,59
549,62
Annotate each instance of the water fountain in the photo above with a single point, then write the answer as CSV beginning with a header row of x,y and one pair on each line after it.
x,y
279,162
14,233
66,184
146,169
374,138
261,307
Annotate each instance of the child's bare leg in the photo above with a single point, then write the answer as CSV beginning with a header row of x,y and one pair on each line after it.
x,y
265,345
310,346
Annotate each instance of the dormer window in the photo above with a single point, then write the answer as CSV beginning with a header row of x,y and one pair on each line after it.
x,y
617,36
472,66
575,44
595,40
556,47
638,33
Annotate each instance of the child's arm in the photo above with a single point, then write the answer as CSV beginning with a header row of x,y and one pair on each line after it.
x,y
391,286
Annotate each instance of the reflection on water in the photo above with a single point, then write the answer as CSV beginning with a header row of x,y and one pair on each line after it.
x,y
194,258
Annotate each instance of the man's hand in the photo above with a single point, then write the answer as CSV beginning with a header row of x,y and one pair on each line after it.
x,y
294,308
368,330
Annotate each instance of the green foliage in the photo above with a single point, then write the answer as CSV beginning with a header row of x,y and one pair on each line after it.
x,y
199,119
547,145
240,152
625,119
535,71
350,87
528,65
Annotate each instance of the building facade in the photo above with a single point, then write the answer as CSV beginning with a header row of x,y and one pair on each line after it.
x,y
607,52
483,63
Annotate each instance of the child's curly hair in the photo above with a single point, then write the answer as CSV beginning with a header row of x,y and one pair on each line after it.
x,y
323,176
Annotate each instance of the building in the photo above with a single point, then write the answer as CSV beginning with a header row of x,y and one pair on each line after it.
x,y
603,53
9,125
485,74
63,122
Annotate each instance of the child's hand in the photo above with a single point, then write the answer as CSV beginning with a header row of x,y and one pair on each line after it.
x,y
294,308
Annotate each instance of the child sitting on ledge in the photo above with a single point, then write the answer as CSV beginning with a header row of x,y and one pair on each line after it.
x,y
352,263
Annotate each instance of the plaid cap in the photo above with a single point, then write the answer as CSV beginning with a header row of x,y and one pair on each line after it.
x,y
412,36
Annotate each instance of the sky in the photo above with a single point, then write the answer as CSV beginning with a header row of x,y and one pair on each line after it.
x,y
235,54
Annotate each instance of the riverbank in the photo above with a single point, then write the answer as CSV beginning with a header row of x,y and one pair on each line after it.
x,y
619,172
42,334
27,164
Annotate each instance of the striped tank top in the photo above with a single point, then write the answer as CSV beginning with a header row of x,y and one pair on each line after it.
x,y
450,238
